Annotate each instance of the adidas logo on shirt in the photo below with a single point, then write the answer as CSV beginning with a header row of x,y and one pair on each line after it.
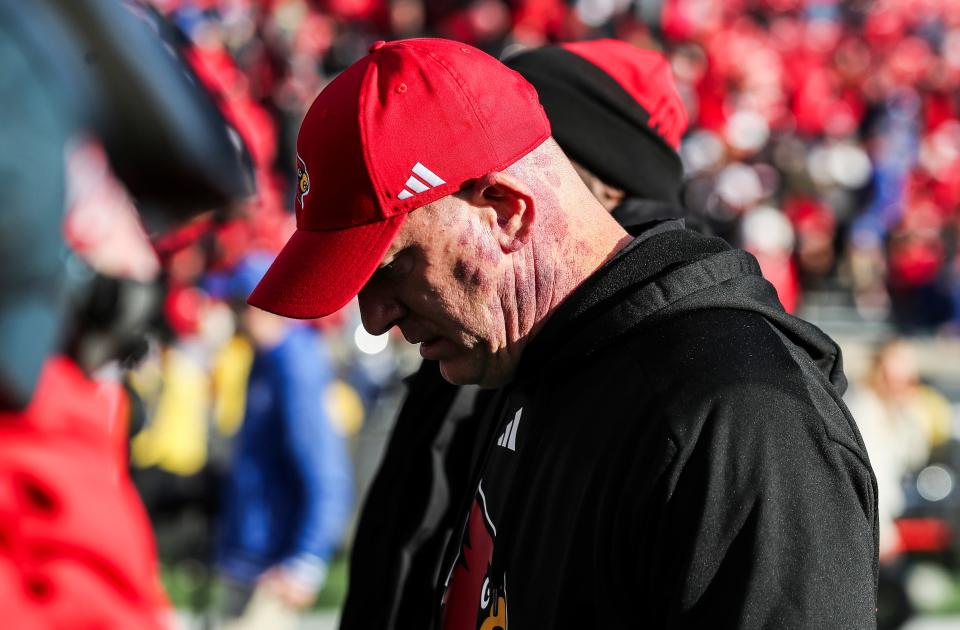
x,y
508,439
423,179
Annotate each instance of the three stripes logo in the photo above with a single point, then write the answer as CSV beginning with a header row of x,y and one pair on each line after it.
x,y
508,439
422,180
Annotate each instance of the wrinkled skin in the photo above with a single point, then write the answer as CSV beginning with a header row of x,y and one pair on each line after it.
x,y
473,276
438,282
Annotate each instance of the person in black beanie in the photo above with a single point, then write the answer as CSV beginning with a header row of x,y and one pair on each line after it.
x,y
615,111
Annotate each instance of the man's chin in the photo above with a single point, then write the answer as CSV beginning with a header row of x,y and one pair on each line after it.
x,y
439,349
462,371
454,372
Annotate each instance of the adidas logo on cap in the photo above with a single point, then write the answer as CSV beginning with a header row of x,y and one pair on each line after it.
x,y
418,185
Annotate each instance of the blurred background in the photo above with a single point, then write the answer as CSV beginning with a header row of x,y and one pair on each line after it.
x,y
824,138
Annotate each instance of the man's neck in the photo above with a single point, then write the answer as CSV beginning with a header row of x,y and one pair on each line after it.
x,y
568,248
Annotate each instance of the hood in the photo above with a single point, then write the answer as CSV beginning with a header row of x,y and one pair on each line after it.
x,y
668,270
633,211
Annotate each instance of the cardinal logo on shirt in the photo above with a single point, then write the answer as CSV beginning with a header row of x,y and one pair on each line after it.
x,y
303,180
473,599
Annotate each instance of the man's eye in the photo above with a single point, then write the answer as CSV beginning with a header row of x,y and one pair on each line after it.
x,y
398,266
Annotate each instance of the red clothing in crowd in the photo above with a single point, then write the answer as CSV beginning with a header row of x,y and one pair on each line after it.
x,y
76,549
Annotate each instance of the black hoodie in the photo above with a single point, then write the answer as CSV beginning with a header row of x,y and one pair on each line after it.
x,y
672,453
682,459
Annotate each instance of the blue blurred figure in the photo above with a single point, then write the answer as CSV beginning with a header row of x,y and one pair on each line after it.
x,y
289,489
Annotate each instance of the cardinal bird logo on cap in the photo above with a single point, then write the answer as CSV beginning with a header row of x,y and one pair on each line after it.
x,y
303,180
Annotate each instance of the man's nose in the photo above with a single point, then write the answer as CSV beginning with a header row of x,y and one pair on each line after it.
x,y
379,312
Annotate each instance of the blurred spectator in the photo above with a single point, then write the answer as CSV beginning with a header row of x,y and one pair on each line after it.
x,y
76,548
900,420
615,111
767,234
288,493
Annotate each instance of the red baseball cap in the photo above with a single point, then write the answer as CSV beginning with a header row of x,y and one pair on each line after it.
x,y
411,122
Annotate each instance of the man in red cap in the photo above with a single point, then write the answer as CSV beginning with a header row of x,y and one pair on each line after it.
x,y
616,112
663,441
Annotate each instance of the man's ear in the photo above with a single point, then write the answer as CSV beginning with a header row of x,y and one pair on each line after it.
x,y
511,207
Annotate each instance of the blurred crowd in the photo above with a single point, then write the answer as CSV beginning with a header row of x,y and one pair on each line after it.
x,y
824,135
828,145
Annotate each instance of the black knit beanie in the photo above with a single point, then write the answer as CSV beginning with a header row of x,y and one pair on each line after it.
x,y
601,125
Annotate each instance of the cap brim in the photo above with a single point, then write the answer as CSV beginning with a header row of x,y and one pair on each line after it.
x,y
318,272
